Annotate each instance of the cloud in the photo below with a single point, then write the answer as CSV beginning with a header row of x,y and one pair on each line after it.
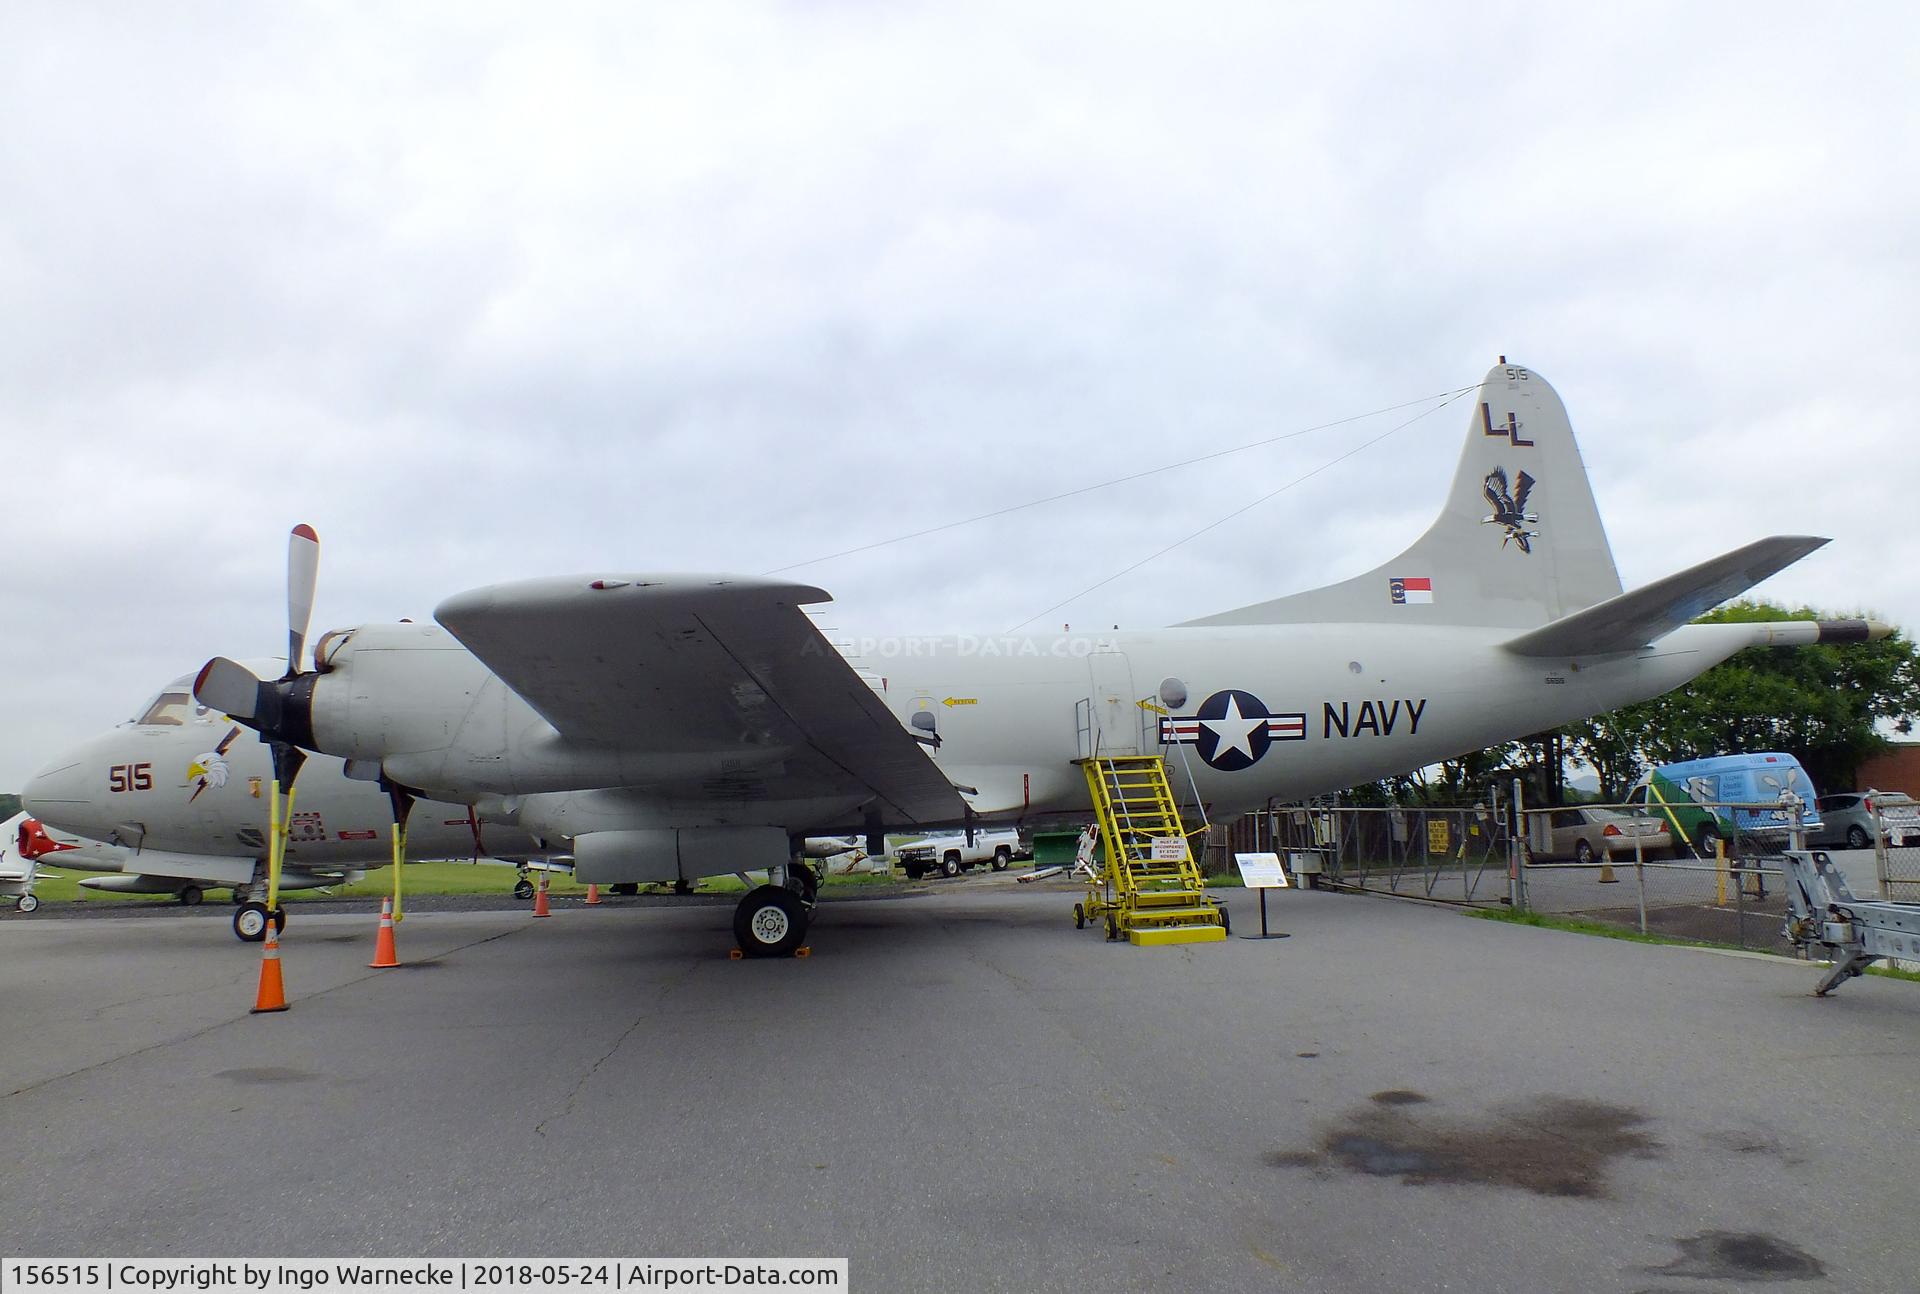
x,y
485,293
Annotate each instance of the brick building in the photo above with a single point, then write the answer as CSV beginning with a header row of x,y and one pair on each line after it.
x,y
1896,769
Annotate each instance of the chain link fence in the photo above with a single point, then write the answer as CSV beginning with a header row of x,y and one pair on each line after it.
x,y
1457,855
1899,871
1615,864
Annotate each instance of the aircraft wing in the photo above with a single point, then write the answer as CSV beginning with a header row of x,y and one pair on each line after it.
x,y
713,668
1631,620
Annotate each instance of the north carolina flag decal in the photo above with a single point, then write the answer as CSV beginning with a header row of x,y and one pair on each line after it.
x,y
1410,589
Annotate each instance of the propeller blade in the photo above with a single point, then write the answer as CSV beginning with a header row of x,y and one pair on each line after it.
x,y
303,571
228,687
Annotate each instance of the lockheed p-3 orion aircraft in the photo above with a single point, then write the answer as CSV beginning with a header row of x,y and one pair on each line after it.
x,y
661,727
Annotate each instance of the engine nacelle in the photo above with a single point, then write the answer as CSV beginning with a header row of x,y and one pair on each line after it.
x,y
384,690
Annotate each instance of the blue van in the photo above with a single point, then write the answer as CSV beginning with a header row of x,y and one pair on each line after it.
x,y
1692,796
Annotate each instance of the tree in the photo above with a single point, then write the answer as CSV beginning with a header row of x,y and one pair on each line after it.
x,y
1612,743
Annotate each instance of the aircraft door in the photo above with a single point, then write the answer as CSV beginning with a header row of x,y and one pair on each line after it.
x,y
1111,723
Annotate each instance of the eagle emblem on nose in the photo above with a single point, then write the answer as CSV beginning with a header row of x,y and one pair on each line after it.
x,y
209,769
1510,510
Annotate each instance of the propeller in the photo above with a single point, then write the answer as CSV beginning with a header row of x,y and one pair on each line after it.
x,y
280,710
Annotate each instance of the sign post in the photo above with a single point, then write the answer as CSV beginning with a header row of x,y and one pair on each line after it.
x,y
1262,872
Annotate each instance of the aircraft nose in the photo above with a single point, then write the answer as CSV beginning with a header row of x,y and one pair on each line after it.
x,y
58,794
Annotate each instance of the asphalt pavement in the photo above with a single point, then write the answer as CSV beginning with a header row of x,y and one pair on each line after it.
x,y
958,1090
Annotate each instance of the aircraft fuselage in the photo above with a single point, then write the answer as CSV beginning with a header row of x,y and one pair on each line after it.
x,y
1269,712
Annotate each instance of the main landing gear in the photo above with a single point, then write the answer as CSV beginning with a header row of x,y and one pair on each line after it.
x,y
772,920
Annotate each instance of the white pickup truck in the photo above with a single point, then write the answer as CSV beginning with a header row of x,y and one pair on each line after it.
x,y
951,855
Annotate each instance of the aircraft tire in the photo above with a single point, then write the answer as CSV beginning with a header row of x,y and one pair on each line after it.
x,y
191,895
1001,858
523,889
250,922
1079,916
770,922
279,920
26,903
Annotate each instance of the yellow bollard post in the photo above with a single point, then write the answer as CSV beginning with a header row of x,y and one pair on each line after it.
x,y
273,843
399,861
280,824
272,994
1720,871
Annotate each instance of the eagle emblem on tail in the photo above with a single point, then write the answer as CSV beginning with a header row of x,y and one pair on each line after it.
x,y
1510,510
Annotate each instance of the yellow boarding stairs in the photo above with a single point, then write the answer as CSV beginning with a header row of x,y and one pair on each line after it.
x,y
1148,888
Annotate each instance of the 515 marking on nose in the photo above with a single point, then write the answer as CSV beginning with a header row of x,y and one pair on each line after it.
x,y
130,777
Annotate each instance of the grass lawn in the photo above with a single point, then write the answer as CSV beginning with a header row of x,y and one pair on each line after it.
x,y
1574,925
420,878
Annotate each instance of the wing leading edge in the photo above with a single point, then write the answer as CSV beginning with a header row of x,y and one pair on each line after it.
x,y
703,665
1632,620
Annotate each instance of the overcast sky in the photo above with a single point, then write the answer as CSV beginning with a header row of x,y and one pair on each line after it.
x,y
490,291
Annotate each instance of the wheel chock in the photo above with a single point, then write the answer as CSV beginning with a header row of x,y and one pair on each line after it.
x,y
736,954
804,950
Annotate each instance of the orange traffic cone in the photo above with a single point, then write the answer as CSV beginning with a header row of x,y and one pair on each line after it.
x,y
273,993
593,896
540,900
383,950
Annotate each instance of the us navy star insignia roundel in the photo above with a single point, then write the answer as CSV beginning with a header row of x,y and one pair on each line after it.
x,y
1232,729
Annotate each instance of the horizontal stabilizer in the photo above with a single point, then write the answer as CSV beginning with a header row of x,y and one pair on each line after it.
x,y
1630,621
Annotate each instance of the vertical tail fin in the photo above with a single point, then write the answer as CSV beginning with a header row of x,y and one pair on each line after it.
x,y
1518,544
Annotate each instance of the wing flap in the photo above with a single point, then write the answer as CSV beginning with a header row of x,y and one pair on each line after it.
x,y
1632,620
703,666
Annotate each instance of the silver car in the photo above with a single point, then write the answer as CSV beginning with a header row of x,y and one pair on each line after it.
x,y
1847,820
1586,835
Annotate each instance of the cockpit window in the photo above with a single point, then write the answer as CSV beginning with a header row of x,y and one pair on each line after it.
x,y
169,709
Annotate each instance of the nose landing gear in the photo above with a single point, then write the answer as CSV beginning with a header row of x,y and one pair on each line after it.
x,y
250,921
